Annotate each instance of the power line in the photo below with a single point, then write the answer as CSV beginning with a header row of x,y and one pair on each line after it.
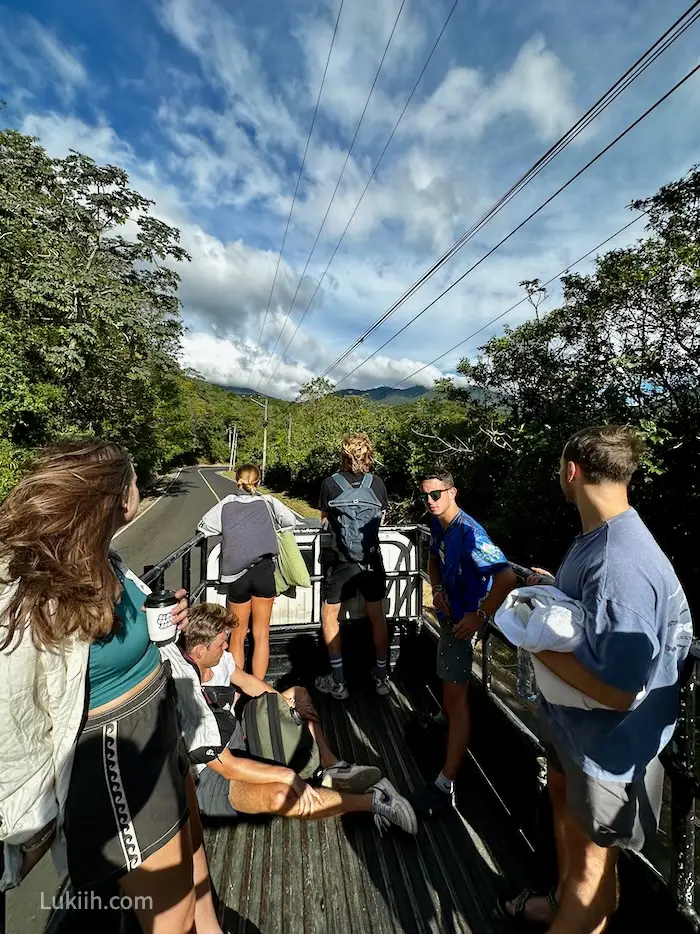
x,y
335,190
527,219
364,191
296,189
522,301
691,15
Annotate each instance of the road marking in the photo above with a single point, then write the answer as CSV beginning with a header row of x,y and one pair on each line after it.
x,y
218,498
149,507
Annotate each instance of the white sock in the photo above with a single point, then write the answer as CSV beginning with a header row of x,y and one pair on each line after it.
x,y
340,764
445,784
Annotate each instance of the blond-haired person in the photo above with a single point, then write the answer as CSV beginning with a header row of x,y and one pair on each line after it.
x,y
353,505
248,521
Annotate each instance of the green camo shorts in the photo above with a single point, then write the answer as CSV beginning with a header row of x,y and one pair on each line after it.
x,y
454,657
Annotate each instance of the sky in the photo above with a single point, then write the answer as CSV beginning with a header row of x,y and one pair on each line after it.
x,y
208,105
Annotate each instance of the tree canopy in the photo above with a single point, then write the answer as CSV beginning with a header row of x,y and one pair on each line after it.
x,y
90,332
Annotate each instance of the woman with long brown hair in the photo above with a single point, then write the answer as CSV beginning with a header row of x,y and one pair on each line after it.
x,y
90,749
248,520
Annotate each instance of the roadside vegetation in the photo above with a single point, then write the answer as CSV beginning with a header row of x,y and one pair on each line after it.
x,y
90,331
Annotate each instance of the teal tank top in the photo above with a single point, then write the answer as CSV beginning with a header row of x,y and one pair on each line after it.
x,y
126,656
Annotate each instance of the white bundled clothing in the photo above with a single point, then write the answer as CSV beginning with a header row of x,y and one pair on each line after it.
x,y
544,619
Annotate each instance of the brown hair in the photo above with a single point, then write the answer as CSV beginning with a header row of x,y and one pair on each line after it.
x,y
358,453
248,478
55,530
205,621
606,453
444,476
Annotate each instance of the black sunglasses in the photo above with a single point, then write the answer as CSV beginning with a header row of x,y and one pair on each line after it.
x,y
433,494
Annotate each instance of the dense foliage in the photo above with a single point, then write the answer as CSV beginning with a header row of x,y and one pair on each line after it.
x,y
90,333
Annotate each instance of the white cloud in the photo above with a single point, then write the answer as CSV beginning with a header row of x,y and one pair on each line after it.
x,y
537,86
34,52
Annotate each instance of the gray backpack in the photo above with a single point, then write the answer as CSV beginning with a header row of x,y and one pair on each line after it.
x,y
355,516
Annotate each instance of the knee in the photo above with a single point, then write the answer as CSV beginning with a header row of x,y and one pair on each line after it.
x,y
455,700
280,800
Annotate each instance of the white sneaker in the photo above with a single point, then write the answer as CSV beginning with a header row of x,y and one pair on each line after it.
x,y
389,807
381,684
353,779
327,684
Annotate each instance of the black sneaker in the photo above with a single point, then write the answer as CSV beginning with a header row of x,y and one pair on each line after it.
x,y
431,802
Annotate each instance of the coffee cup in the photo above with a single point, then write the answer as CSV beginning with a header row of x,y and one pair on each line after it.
x,y
159,607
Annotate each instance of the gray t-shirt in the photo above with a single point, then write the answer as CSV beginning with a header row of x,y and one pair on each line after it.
x,y
638,632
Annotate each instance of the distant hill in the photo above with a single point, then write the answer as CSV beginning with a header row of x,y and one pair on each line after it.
x,y
388,396
242,391
383,395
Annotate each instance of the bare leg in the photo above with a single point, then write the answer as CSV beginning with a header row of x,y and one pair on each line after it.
x,y
236,645
326,754
331,627
538,908
380,631
590,892
262,611
456,701
205,919
274,798
162,889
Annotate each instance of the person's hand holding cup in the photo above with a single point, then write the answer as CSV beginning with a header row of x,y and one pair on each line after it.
x,y
166,614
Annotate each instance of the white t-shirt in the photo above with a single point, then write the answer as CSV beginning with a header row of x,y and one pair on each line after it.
x,y
221,673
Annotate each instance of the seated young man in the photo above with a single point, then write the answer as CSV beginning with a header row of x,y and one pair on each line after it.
x,y
229,781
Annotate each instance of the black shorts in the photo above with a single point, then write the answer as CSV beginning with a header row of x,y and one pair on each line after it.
x,y
342,580
258,581
127,796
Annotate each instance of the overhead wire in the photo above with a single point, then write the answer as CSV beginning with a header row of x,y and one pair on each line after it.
x,y
335,190
530,216
684,22
364,191
296,188
522,301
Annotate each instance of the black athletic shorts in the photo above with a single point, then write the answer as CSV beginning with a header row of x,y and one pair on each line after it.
x,y
343,579
258,581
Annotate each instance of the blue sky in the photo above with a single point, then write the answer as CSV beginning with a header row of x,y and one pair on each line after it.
x,y
207,104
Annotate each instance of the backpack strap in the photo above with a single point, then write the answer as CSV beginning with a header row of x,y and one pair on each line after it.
x,y
367,481
342,482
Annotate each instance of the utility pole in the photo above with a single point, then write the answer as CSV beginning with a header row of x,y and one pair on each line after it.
x,y
264,463
289,435
263,406
233,444
235,447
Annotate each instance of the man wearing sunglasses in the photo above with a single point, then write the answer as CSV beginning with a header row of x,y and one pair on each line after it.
x,y
471,577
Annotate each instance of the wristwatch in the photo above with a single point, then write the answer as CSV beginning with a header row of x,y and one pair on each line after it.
x,y
482,614
438,588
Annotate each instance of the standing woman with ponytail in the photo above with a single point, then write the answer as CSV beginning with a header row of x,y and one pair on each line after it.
x,y
248,520
90,749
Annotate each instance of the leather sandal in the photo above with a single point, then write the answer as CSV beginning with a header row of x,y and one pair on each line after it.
x,y
519,904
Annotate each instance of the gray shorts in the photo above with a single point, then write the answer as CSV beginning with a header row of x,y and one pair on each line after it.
x,y
454,657
622,814
212,788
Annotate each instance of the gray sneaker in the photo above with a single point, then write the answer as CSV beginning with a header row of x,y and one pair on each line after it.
x,y
389,807
350,778
381,684
327,684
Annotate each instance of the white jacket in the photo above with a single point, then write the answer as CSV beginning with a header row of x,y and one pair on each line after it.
x,y
42,705
540,619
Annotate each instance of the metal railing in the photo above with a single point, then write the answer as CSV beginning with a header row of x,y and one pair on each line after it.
x,y
678,758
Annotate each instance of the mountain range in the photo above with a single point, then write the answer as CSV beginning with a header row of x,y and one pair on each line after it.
x,y
381,394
